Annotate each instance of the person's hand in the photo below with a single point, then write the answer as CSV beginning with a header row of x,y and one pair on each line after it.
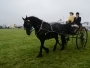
x,y
66,22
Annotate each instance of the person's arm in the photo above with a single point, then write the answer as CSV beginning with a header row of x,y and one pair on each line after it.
x,y
72,20
68,19
79,19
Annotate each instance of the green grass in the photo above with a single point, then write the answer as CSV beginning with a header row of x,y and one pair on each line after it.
x,y
17,50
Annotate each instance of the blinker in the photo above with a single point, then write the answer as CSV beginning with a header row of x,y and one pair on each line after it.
x,y
28,20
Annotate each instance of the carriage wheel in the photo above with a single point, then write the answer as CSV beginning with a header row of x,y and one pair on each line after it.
x,y
81,38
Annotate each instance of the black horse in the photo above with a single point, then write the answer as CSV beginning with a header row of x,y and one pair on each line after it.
x,y
44,31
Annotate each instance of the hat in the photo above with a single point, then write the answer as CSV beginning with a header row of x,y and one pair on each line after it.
x,y
71,13
77,12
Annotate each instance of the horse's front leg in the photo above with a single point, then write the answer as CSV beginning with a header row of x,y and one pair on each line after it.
x,y
40,53
46,49
42,46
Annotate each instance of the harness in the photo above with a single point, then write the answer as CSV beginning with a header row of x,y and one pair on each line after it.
x,y
44,29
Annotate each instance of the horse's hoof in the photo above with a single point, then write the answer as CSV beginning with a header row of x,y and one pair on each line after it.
x,y
47,50
38,56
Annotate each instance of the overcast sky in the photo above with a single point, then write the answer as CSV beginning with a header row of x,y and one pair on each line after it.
x,y
12,11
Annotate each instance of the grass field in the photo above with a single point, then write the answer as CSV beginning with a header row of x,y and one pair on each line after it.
x,y
17,50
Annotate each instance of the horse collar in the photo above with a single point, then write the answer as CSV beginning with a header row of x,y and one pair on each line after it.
x,y
40,28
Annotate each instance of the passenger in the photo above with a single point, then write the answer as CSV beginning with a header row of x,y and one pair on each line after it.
x,y
70,18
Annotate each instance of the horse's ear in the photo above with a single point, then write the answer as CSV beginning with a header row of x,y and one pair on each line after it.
x,y
22,18
26,16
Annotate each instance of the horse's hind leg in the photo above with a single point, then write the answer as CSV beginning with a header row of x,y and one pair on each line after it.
x,y
56,39
63,42
59,41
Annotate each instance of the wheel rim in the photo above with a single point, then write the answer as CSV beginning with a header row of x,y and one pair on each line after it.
x,y
81,38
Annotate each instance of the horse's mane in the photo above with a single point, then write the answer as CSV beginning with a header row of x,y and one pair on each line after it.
x,y
33,17
40,20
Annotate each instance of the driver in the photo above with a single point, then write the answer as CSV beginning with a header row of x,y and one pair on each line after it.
x,y
77,22
77,19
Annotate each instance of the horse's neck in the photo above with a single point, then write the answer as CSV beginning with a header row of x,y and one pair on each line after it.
x,y
36,25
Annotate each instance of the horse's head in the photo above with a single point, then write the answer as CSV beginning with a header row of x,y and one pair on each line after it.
x,y
27,25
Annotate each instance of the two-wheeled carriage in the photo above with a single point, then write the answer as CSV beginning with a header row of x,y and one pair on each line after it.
x,y
81,37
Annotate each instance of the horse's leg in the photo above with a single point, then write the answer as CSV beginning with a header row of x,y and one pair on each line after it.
x,y
42,46
40,53
59,41
63,41
56,38
46,49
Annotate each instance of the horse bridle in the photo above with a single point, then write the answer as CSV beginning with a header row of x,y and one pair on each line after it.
x,y
41,28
